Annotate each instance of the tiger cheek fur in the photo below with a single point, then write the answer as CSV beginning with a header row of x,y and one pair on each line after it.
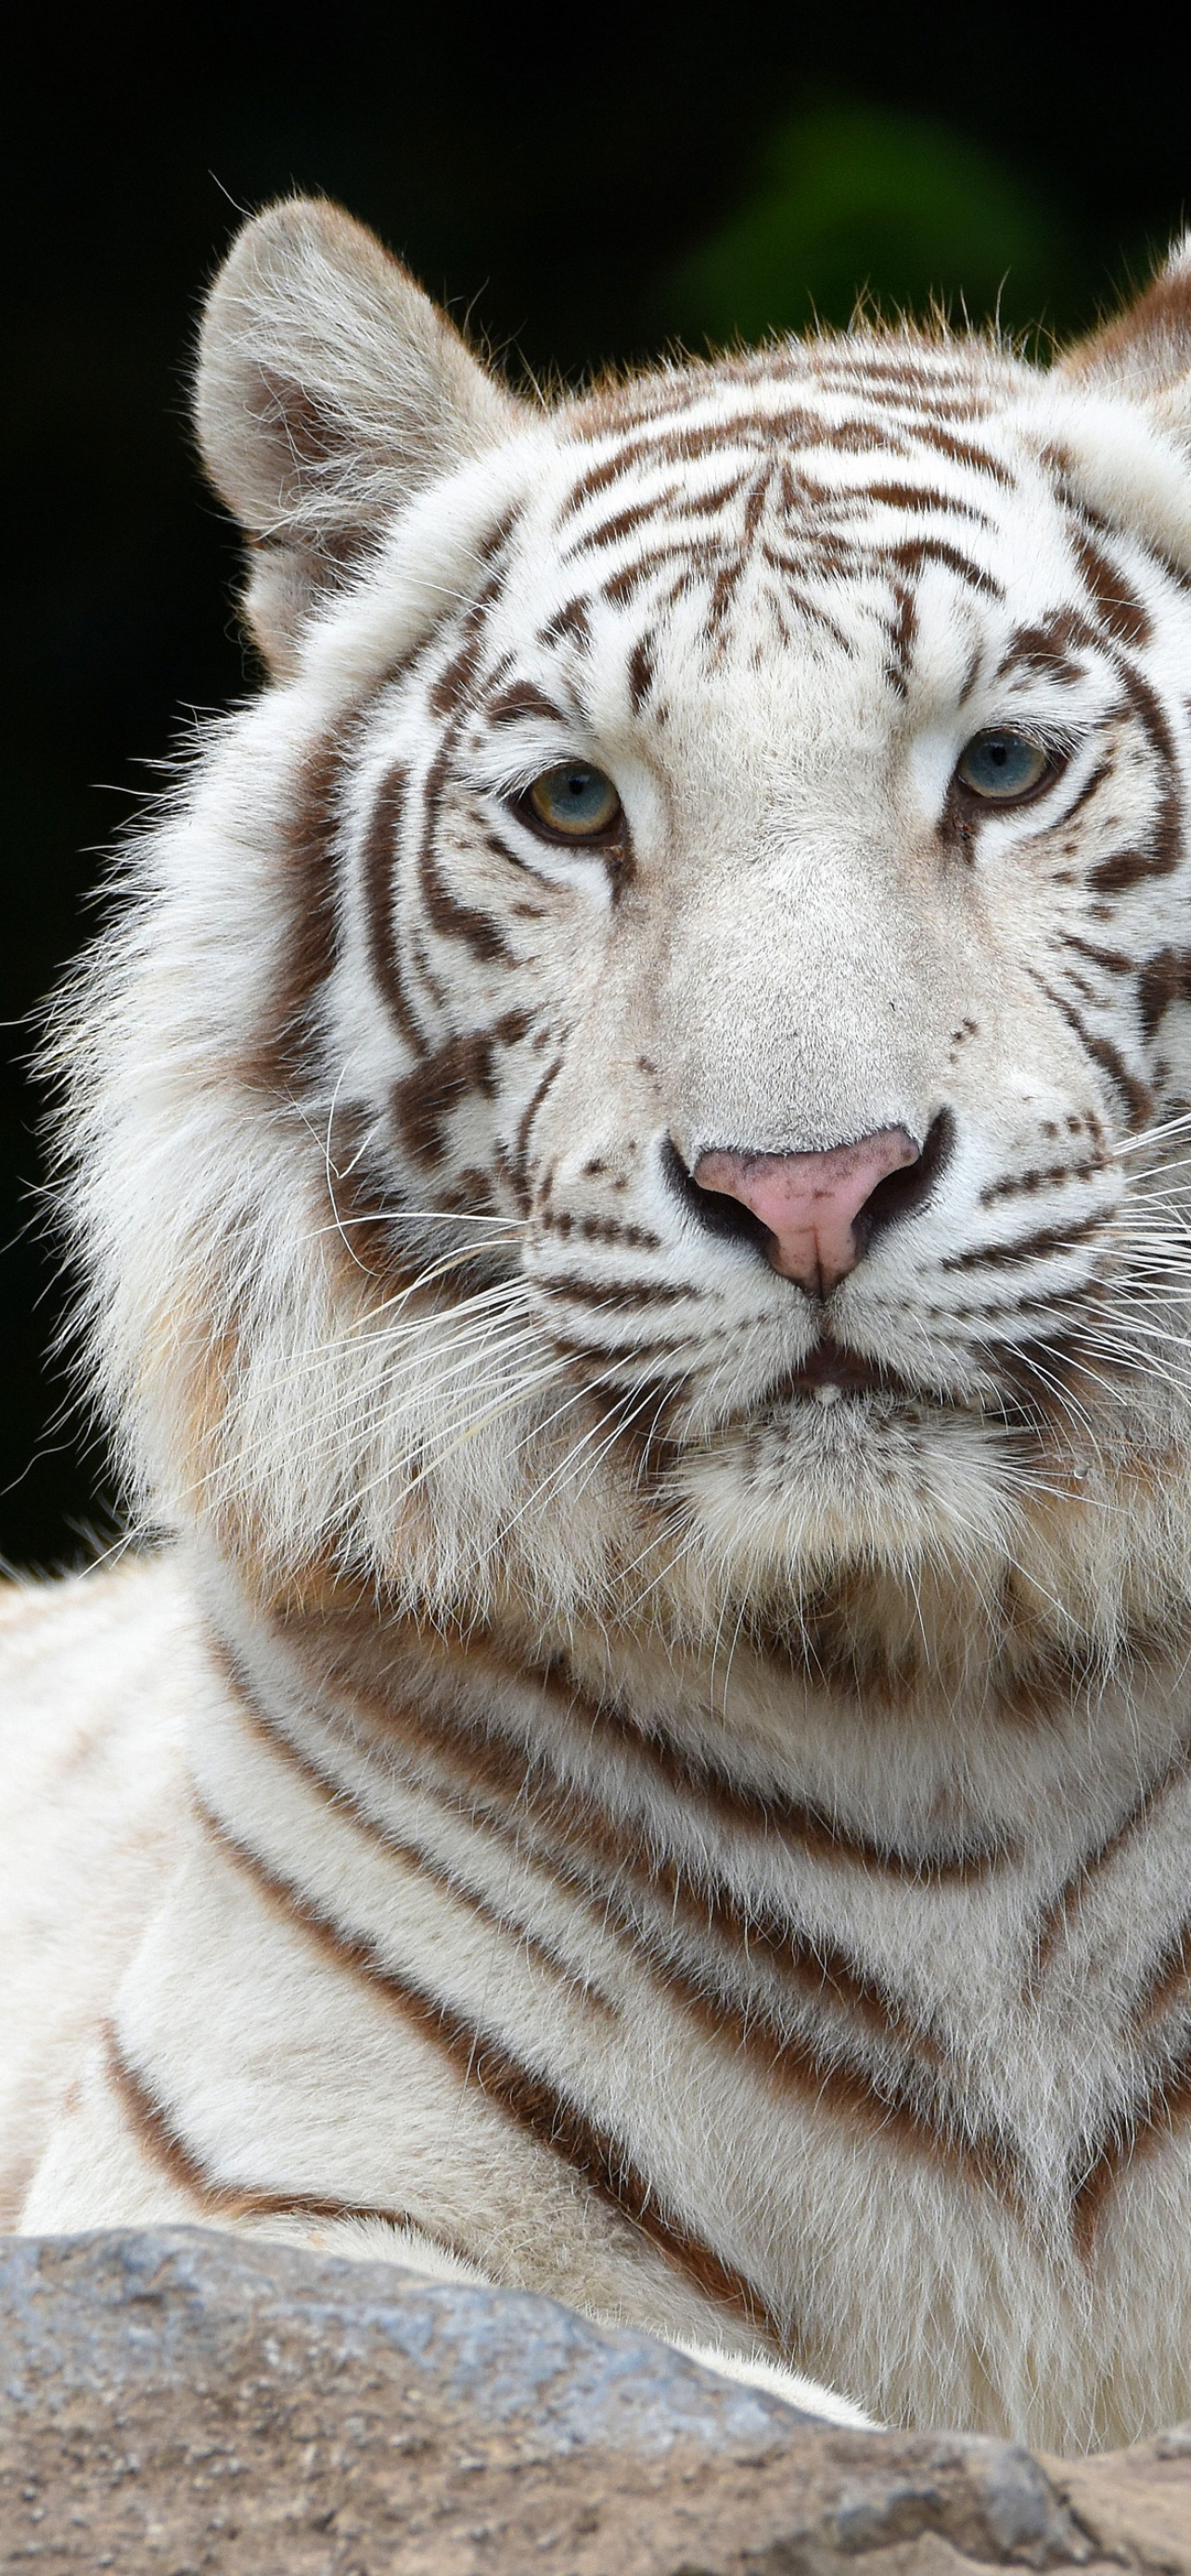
x,y
653,1762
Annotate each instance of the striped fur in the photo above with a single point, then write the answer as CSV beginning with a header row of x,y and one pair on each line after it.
x,y
621,1823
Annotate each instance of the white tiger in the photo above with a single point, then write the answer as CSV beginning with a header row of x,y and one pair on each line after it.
x,y
629,1155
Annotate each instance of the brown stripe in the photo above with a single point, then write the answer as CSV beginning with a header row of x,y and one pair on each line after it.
x,y
625,522
347,1642
917,552
679,442
728,1803
963,451
521,1142
1127,868
883,2109
1136,1095
360,1235
587,1363
902,363
464,1066
525,910
813,2072
1121,613
449,915
418,959
1034,1301
888,2108
798,599
704,505
573,620
432,796
673,441
1164,980
1102,772
1053,1176
1050,646
902,633
1163,852
598,1859
1166,2105
614,1297
1111,961
527,2098
923,496
305,939
523,698
1038,1246
692,561
605,1229
641,671
159,2133
1063,1908
337,1798
594,1862
453,692
865,437
920,402
1170,1978
381,847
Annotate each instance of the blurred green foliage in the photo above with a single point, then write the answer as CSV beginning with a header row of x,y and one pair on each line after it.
x,y
863,203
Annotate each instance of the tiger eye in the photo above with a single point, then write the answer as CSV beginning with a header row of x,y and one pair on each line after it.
x,y
1002,767
574,801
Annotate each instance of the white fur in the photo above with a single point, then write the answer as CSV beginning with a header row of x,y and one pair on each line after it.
x,y
653,1768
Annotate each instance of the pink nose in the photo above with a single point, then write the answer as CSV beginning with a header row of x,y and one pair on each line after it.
x,y
810,1202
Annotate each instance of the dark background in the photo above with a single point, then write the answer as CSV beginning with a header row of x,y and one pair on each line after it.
x,y
584,187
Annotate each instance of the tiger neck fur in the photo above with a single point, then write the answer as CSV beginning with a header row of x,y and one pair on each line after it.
x,y
561,1886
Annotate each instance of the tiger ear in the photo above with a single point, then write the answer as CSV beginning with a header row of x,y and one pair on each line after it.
x,y
329,390
1146,352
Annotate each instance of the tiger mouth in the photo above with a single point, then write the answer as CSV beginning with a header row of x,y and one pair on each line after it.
x,y
829,1372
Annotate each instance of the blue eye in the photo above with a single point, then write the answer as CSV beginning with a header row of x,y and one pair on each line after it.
x,y
574,802
1003,767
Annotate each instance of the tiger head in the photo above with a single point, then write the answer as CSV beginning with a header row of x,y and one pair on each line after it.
x,y
645,1075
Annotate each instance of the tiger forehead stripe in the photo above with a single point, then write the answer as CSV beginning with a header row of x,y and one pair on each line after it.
x,y
926,496
845,503
792,436
913,554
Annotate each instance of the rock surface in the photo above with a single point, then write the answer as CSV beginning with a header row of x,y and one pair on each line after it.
x,y
181,2401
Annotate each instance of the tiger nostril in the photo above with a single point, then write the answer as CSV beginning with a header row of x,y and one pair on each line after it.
x,y
715,1210
905,1191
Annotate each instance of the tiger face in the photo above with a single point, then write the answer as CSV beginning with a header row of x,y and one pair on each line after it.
x,y
696,956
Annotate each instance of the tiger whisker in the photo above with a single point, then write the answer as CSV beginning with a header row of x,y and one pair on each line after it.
x,y
490,1413
488,1334
550,1481
617,1432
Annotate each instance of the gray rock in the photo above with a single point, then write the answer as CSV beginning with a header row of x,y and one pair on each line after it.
x,y
186,2401
184,2307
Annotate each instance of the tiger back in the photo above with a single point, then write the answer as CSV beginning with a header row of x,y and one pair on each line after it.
x,y
628,1150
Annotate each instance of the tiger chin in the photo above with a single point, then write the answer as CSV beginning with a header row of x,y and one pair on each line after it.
x,y
627,1145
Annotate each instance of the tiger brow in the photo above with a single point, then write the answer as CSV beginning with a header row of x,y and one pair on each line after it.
x,y
1051,646
524,698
